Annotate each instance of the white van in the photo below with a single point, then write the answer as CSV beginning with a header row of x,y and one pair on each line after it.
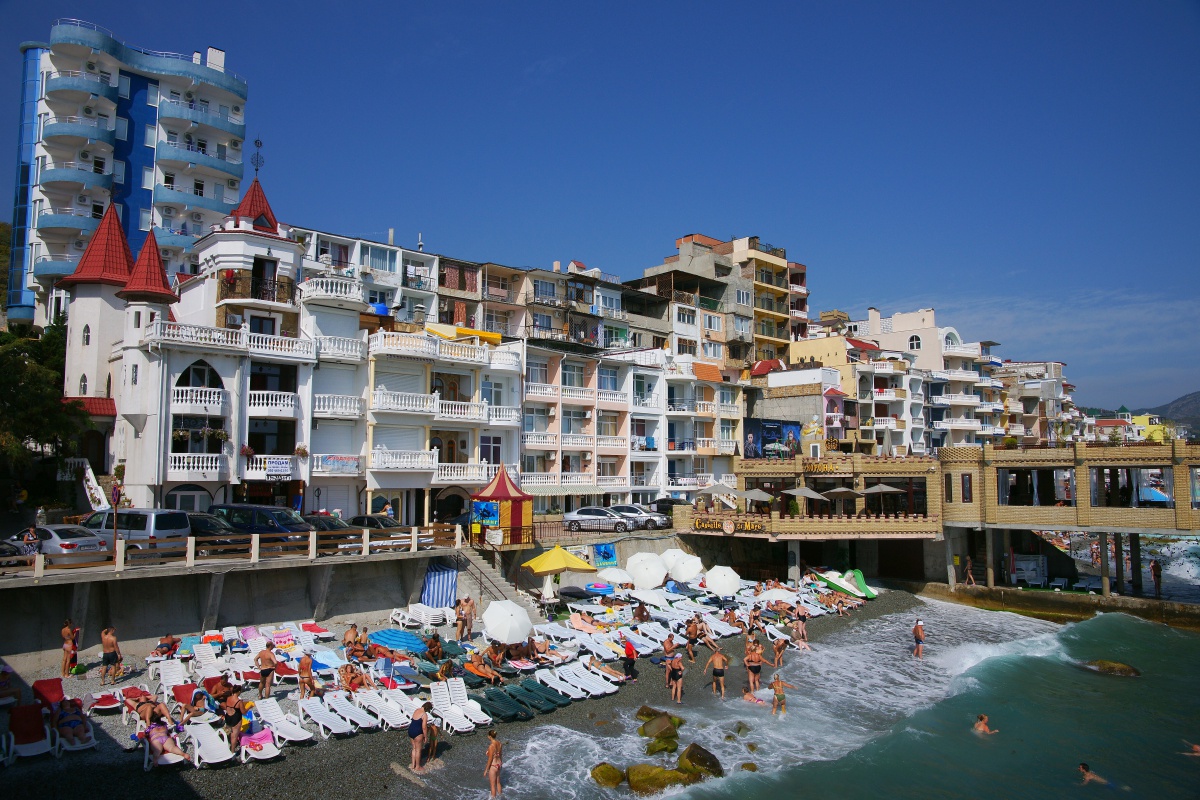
x,y
140,527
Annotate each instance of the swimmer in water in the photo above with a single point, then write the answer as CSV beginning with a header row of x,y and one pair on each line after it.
x,y
1194,752
1091,777
981,725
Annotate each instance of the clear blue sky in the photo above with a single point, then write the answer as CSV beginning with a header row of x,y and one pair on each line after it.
x,y
1030,169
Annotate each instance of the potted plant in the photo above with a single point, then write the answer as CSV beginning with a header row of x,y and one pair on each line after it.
x,y
246,451
181,434
220,434
301,451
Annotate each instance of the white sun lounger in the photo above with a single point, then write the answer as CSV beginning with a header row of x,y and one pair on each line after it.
x,y
452,718
556,632
326,721
552,681
208,745
171,672
580,678
360,718
391,715
470,709
401,617
165,760
285,726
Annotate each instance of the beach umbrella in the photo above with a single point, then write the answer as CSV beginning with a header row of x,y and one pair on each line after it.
x,y
880,488
771,595
507,622
722,581
807,493
672,557
551,563
647,570
687,569
615,576
843,494
651,597
757,496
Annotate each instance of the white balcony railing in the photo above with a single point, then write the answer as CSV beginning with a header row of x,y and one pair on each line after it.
x,y
578,441
731,410
643,479
336,464
729,479
423,460
962,399
547,440
264,344
797,313
504,359
464,473
611,480
416,345
408,402
460,411
886,423
461,351
213,399
705,443
881,395
504,415
882,367
211,463
683,481
327,288
195,335
278,466
272,403
961,350
612,442
706,407
958,424
609,396
961,375
726,447
541,391
1016,430
577,479
337,405
578,393
539,478
341,348
650,401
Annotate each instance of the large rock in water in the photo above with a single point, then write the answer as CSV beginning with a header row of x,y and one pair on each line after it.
x,y
1114,668
646,713
649,779
607,775
662,745
659,728
698,761
750,766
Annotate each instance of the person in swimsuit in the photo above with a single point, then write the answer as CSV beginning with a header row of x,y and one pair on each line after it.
x,y
749,697
629,661
231,720
351,635
70,724
780,702
468,616
491,770
197,708
1194,752
1091,777
110,662
669,646
460,620
161,741
166,645
68,644
731,618
719,662
307,685
778,647
481,668
675,678
800,632
495,653
434,648
147,709
641,613
753,663
418,729
981,725
918,633
445,671
266,663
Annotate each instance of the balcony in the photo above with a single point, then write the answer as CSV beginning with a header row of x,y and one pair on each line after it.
x,y
540,441
651,403
333,292
798,313
957,400
458,411
833,420
706,443
991,430
199,402
261,468
706,407
612,443
991,408
200,114
410,345
611,481
197,467
957,424
776,280
884,423
546,299
273,405
612,398
336,464
796,288
464,473
51,268
405,460
76,131
679,370
246,289
681,445
463,352
201,337
884,395
75,86
206,199
495,294
347,406
75,176
504,359
340,349
613,313
643,479
404,402
176,237
539,479
879,367
191,155
681,406
504,415
288,347
726,447
683,481
578,395
577,479
1016,430
541,391
967,375
961,350
731,410
578,441
68,221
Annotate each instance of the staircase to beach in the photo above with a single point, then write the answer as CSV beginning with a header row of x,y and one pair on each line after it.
x,y
487,583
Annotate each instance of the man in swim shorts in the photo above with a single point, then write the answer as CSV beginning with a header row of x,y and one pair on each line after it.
x,y
719,662
918,633
110,662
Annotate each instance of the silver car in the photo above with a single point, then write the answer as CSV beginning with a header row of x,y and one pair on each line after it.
x,y
57,540
595,518
644,518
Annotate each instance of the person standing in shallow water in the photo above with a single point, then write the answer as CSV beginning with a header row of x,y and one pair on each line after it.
x,y
1156,576
918,633
492,770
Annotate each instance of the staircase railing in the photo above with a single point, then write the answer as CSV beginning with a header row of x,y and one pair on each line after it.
x,y
487,588
82,467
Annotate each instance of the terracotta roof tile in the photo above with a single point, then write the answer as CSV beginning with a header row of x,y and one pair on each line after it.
x,y
254,206
96,406
706,372
107,258
149,279
859,344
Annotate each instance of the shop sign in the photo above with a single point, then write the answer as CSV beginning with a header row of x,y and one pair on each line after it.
x,y
824,466
337,465
728,526
278,466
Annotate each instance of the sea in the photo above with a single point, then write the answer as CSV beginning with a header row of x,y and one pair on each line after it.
x,y
869,721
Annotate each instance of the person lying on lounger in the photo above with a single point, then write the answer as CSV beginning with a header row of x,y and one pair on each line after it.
x,y
481,668
222,689
354,679
166,646
495,653
148,709
70,723
202,703
597,664
161,741
731,618
641,613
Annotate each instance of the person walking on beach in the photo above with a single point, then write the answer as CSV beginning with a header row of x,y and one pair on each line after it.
x,y
969,574
753,663
68,644
468,617
629,661
693,635
669,646
266,663
675,678
780,702
1156,576
418,729
981,725
110,662
719,662
494,763
918,633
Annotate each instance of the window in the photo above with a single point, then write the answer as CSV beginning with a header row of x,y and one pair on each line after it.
x,y
87,335
543,322
123,86
379,296
966,488
726,395
914,343
573,421
610,302
147,177
728,430
741,325
144,221
537,420
714,350
712,322
607,424
198,188
544,289
489,449
493,393
99,165
378,258
635,340
151,136
572,375
173,137
118,172
685,347
201,146
133,374
685,316
122,128
536,372
743,297
578,292
137,319
152,94
949,498
607,467
82,385
169,180
608,379
659,342
615,337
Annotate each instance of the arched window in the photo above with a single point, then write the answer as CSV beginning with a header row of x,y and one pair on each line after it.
x,y
83,385
200,375
914,343
87,335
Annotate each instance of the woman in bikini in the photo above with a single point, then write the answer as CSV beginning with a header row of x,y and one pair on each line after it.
x,y
749,697
418,729
308,687
780,702
161,741
599,666
480,668
70,724
731,618
147,709
753,663
494,762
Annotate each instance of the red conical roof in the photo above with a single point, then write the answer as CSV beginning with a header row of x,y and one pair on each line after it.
x,y
107,258
501,487
254,206
149,279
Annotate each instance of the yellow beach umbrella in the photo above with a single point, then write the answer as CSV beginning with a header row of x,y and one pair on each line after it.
x,y
551,563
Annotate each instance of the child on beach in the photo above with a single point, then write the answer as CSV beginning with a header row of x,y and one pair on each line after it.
x,y
780,702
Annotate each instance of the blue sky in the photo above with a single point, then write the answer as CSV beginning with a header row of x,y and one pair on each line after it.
x,y
1029,169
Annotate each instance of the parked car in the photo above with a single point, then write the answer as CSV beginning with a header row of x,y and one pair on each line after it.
x,y
215,530
249,518
10,554
664,505
644,517
374,522
328,522
595,518
62,540
139,527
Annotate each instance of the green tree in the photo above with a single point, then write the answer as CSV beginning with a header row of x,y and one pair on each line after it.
x,y
33,417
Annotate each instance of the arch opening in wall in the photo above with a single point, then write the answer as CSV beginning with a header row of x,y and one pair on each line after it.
x,y
200,375
83,385
188,497
87,335
450,503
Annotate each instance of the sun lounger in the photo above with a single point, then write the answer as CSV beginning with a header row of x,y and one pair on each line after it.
x,y
495,698
101,702
327,722
28,733
385,671
208,745
328,659
287,727
339,704
284,640
453,719
164,760
545,692
533,700
390,715
548,678
316,630
585,682
170,673
49,692
469,708
555,632
261,746
401,617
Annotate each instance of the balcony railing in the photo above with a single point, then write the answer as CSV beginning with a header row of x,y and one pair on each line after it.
x,y
407,402
214,399
546,440
166,105
961,350
578,393
771,278
798,313
498,295
281,290
726,447
546,299
325,288
504,415
796,288
504,359
609,396
199,335
646,401
681,445
341,348
539,478
265,344
618,442
337,405
461,351
706,443
706,407
684,481
272,403
957,424
462,412
271,466
681,406
211,463
422,460
613,313
731,410
885,423
336,464
643,479
610,481
416,345
577,479
578,441
1016,430
541,391
464,473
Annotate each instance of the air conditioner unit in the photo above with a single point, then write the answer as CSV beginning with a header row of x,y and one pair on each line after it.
x,y
189,96
169,212
163,252
236,144
83,199
231,183
237,109
79,244
233,320
187,137
85,155
90,66
197,217
587,414
88,111
562,282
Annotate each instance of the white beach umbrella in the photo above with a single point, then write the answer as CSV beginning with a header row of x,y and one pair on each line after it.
x,y
771,595
687,568
651,597
614,575
722,581
647,570
507,622
672,557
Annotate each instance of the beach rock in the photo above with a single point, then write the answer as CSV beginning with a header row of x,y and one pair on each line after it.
x,y
659,728
646,713
607,775
1114,668
649,779
664,745
729,737
696,760
741,729
751,746
750,766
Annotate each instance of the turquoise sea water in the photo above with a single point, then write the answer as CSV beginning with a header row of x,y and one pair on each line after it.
x,y
870,721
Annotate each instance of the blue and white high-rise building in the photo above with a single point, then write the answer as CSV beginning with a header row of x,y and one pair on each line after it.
x,y
159,135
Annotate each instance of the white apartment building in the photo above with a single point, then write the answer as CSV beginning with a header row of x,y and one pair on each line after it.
x,y
1039,407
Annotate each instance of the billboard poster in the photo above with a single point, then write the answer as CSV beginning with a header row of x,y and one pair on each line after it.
x,y
604,555
486,512
582,551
